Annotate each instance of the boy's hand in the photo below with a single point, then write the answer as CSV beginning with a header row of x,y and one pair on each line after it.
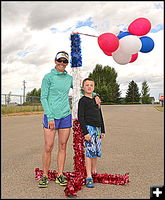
x,y
87,137
102,135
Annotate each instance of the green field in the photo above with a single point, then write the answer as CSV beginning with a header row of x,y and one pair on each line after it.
x,y
18,109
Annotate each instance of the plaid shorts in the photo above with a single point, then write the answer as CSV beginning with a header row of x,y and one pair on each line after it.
x,y
93,147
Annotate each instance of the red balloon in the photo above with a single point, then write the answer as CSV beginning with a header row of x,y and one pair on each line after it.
x,y
108,42
134,57
108,53
140,26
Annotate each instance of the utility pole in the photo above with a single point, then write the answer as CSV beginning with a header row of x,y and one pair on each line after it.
x,y
24,91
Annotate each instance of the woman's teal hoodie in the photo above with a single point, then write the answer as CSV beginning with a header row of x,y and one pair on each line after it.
x,y
54,94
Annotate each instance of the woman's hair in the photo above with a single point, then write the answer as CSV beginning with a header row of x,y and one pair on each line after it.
x,y
87,79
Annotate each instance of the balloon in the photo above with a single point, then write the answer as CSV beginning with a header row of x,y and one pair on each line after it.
x,y
108,42
130,44
147,44
108,53
140,26
122,34
120,57
134,57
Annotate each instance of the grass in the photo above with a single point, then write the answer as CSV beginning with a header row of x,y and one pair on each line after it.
x,y
5,110
160,108
18,109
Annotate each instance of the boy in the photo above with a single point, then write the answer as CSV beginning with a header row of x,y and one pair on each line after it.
x,y
91,121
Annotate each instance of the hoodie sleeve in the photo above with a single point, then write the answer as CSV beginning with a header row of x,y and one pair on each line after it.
x,y
81,116
72,83
44,98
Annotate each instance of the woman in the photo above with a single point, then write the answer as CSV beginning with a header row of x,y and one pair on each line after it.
x,y
57,116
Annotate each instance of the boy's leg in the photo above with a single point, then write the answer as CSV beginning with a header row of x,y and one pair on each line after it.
x,y
98,143
91,153
94,165
90,148
88,166
98,149
89,179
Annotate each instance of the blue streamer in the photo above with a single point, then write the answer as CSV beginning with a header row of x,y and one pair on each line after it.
x,y
76,59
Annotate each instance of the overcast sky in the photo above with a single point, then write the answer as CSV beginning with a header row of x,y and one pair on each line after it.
x,y
33,32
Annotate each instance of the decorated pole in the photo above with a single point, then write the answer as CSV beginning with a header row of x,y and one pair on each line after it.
x,y
76,64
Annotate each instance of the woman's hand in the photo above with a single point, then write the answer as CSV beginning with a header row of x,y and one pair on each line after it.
x,y
87,137
51,125
98,101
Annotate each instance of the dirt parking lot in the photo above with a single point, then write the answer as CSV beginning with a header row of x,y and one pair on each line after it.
x,y
134,143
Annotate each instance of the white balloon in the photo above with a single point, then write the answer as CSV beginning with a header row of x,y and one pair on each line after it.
x,y
121,57
130,44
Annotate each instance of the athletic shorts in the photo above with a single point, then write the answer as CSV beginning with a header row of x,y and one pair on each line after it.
x,y
65,122
93,146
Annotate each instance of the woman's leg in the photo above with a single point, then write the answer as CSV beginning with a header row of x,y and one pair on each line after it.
x,y
49,136
63,136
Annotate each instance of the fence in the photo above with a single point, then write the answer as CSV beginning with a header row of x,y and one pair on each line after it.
x,y
10,99
15,100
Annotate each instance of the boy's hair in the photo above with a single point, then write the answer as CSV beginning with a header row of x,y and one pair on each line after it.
x,y
87,79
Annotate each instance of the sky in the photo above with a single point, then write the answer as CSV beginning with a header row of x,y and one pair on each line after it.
x,y
34,31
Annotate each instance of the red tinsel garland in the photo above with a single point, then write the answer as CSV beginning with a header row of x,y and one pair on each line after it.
x,y
76,179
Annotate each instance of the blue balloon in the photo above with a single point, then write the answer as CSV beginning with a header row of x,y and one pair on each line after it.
x,y
147,44
123,34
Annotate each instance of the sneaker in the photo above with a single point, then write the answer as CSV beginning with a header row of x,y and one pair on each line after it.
x,y
43,182
89,182
61,180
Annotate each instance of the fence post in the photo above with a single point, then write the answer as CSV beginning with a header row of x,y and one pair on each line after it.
x,y
5,99
20,99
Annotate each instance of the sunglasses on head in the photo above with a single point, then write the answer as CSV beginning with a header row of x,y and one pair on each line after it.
x,y
64,61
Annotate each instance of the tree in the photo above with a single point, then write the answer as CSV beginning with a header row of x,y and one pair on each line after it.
x,y
132,94
33,96
145,96
105,83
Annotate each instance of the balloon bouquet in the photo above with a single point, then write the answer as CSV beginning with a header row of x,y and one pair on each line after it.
x,y
124,47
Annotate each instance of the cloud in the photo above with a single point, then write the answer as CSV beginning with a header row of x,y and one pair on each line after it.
x,y
159,5
32,33
148,66
14,13
87,22
47,14
157,28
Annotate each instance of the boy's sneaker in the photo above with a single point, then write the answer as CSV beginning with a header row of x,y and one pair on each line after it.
x,y
43,182
61,180
89,182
